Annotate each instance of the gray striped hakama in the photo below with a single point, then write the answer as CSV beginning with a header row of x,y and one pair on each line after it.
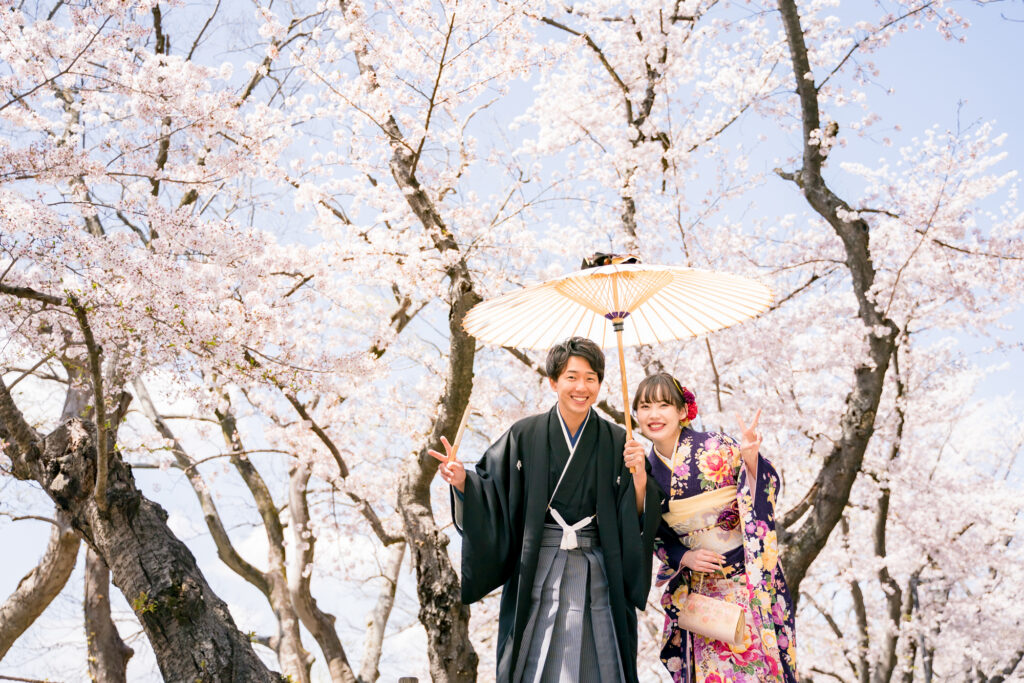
x,y
570,634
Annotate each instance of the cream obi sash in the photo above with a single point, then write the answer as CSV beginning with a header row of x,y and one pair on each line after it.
x,y
696,518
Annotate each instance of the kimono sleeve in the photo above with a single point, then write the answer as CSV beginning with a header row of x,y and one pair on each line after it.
x,y
757,515
637,534
491,534
669,549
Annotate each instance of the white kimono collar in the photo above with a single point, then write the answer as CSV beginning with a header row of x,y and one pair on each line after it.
x,y
571,441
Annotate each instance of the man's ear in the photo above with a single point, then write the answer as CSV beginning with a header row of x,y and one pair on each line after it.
x,y
554,385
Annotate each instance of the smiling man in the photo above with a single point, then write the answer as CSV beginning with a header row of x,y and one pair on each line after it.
x,y
553,515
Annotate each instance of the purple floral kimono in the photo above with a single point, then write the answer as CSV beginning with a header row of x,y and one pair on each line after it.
x,y
741,527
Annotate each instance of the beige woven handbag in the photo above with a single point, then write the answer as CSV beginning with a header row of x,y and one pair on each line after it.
x,y
713,618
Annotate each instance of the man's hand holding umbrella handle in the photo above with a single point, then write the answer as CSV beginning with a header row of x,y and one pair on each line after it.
x,y
452,471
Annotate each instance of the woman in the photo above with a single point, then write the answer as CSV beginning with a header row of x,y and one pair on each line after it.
x,y
717,537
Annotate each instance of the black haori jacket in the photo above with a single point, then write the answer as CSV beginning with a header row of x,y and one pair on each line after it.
x,y
503,517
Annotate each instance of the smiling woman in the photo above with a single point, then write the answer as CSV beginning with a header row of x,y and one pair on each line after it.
x,y
710,486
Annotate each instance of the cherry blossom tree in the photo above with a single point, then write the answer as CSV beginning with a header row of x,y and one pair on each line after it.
x,y
273,251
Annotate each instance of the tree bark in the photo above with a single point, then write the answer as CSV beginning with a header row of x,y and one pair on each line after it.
x,y
108,655
189,627
843,463
41,585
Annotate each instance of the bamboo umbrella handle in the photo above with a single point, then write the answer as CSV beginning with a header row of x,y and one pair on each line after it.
x,y
617,326
458,435
625,389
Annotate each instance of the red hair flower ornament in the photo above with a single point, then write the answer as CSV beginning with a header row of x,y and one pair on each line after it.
x,y
689,399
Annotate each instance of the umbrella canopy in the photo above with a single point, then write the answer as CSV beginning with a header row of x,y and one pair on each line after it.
x,y
660,303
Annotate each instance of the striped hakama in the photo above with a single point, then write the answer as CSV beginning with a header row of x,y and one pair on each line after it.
x,y
570,634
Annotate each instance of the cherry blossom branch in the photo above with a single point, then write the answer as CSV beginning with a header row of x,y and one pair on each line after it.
x,y
225,549
63,72
432,100
810,281
202,30
99,402
446,620
1013,662
162,47
364,506
836,631
969,252
369,668
290,651
19,679
867,38
25,449
732,119
40,585
343,470
29,293
842,465
793,515
830,674
31,370
863,638
601,58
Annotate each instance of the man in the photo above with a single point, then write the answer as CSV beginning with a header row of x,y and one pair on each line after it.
x,y
554,516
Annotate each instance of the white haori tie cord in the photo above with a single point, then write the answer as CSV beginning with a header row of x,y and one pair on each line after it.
x,y
569,540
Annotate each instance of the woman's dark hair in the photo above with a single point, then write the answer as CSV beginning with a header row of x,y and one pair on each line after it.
x,y
659,387
558,357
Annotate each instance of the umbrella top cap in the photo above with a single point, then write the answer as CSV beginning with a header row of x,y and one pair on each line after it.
x,y
598,259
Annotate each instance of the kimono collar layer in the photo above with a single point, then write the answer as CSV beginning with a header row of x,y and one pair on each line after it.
x,y
569,540
670,460
572,440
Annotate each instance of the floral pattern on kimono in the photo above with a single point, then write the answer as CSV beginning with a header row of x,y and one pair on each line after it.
x,y
753,577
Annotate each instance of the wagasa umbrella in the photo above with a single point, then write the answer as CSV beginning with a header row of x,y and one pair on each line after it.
x,y
620,303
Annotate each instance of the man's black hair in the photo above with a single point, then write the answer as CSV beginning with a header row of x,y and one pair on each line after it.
x,y
559,354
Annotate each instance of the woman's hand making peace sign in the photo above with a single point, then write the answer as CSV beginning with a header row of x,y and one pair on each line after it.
x,y
750,445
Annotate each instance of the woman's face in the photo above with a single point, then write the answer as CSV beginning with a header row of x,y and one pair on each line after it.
x,y
659,420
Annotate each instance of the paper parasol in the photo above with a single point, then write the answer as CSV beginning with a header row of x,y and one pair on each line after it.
x,y
623,304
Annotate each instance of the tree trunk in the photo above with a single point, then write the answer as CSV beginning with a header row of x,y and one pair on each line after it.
x,y
842,465
190,629
369,670
291,655
445,618
40,586
108,655
442,614
319,623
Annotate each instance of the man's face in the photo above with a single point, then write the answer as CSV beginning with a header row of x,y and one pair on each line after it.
x,y
577,388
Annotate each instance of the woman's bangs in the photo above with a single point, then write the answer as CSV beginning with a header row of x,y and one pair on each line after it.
x,y
658,389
